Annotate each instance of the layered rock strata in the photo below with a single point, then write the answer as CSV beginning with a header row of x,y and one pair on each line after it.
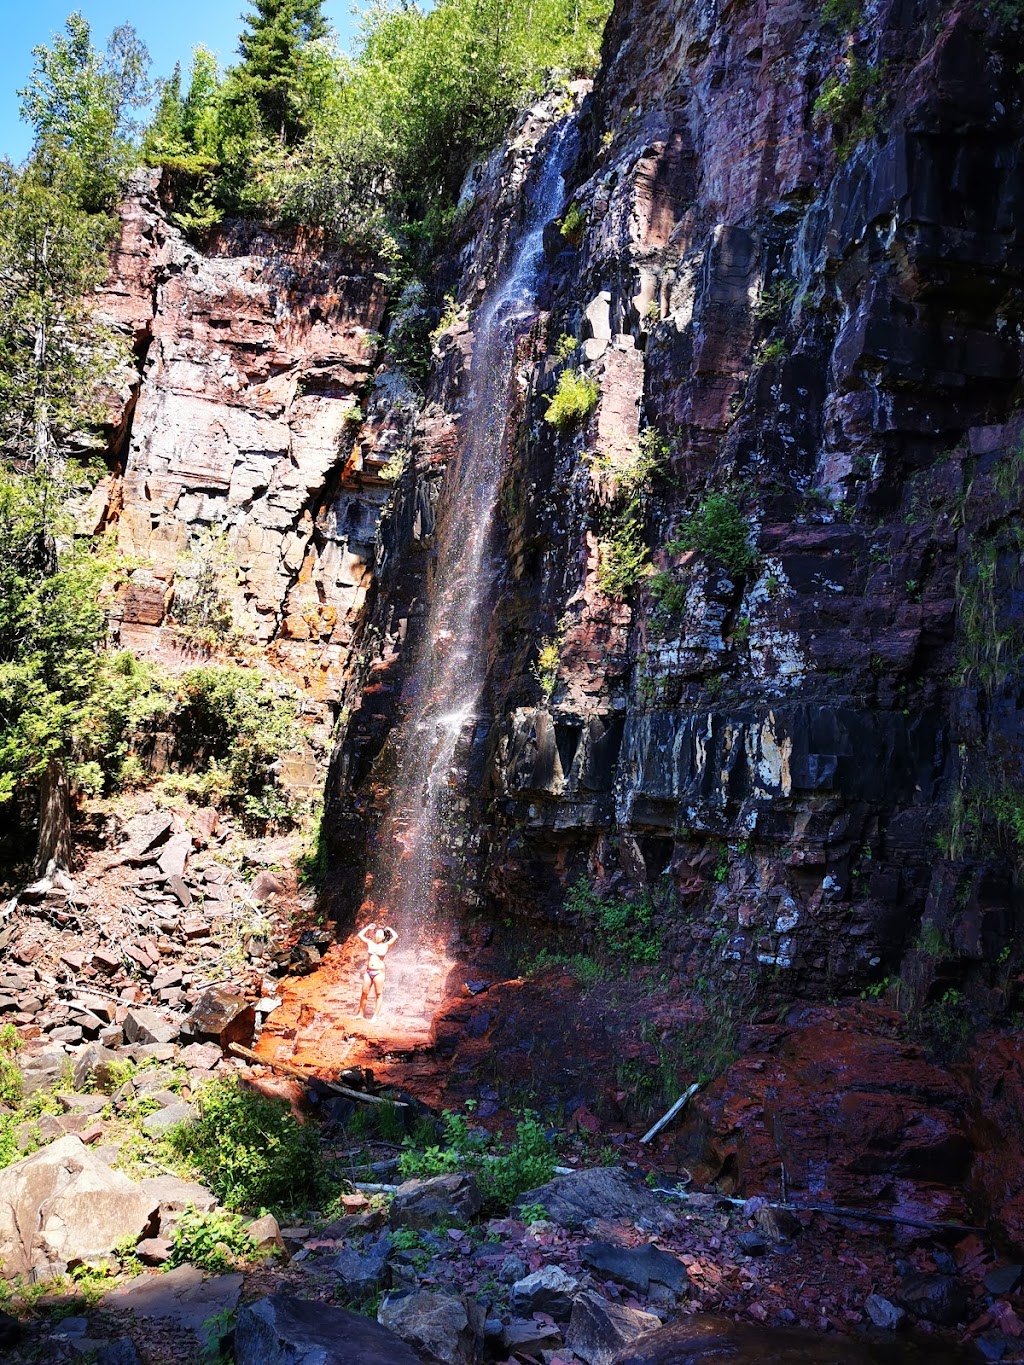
x,y
795,260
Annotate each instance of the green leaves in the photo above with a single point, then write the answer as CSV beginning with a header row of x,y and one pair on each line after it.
x,y
251,1149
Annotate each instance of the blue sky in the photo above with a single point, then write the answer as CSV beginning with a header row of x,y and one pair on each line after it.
x,y
169,28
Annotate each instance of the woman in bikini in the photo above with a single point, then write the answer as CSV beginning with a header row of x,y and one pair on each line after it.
x,y
377,945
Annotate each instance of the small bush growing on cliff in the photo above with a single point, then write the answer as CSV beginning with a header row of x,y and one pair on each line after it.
x,y
668,592
718,528
624,553
842,104
623,930
250,1149
575,398
572,223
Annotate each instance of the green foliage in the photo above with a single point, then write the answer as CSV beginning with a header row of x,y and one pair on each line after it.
x,y
573,222
503,1170
623,930
10,1075
931,941
201,610
770,351
54,355
575,398
396,465
565,347
842,104
79,105
240,724
774,301
250,1149
584,968
545,669
719,529
51,628
372,146
846,14
274,44
668,593
624,553
211,1241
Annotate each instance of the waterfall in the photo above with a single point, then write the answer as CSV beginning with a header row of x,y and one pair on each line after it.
x,y
444,688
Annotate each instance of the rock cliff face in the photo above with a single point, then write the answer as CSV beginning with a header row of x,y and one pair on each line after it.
x,y
796,261
244,452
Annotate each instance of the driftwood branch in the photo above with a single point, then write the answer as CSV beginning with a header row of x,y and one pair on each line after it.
x,y
667,1118
237,1050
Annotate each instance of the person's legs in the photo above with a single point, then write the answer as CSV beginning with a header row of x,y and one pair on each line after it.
x,y
378,991
367,983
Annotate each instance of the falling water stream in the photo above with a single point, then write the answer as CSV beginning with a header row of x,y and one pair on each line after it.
x,y
446,683
319,1024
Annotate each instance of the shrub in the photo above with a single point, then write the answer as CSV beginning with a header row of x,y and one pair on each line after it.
x,y
503,1170
624,554
623,930
545,670
10,1075
718,528
210,1241
565,347
250,1149
667,592
575,398
572,223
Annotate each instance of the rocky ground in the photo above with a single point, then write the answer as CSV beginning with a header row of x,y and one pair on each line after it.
x,y
126,985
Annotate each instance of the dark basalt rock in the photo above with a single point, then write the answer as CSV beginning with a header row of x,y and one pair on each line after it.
x,y
282,1330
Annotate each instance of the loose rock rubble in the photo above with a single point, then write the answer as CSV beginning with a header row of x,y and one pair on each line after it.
x,y
158,924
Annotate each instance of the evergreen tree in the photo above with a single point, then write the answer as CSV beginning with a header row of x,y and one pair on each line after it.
x,y
272,48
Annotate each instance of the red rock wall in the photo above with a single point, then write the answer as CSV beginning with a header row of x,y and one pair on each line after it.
x,y
824,323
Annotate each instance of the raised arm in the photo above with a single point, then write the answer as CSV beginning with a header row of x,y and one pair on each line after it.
x,y
393,933
363,933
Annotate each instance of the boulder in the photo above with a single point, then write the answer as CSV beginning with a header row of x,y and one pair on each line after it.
x,y
548,1290
184,1296
143,1025
282,1330
530,1337
163,1120
602,1192
1003,1279
63,1207
266,1233
941,1299
444,1329
362,1273
598,1329
711,1340
95,1062
422,1203
173,1195
636,1267
222,1017
882,1313
123,1351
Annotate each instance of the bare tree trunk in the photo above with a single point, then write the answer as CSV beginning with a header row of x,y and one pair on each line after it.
x,y
54,847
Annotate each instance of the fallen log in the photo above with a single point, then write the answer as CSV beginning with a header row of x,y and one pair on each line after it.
x,y
836,1211
237,1050
667,1118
